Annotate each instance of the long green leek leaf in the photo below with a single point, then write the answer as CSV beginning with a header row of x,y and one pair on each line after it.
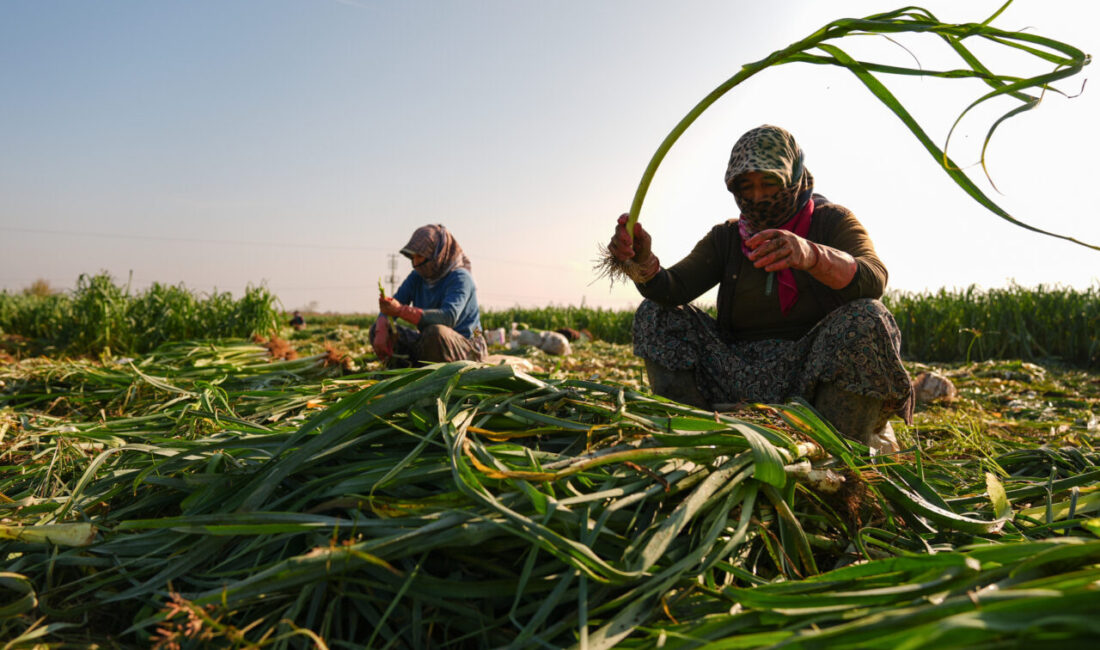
x,y
1066,59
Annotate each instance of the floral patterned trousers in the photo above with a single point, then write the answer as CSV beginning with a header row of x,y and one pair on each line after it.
x,y
856,347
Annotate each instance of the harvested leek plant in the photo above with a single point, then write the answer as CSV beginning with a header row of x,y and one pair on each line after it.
x,y
469,506
820,48
78,534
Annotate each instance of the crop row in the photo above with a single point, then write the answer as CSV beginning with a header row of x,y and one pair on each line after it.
x,y
101,316
946,325
1040,323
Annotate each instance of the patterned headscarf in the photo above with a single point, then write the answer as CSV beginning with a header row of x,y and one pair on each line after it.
x,y
441,250
771,150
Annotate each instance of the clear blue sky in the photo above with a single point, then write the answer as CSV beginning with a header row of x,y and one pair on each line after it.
x,y
299,142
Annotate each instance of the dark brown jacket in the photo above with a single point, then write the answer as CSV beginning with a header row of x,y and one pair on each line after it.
x,y
746,312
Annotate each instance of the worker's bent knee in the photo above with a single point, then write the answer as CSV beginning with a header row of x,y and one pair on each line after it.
x,y
435,330
439,343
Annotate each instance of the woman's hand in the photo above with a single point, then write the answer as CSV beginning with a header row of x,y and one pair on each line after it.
x,y
625,247
775,250
389,306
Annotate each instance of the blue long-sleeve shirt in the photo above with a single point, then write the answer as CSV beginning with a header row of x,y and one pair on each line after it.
x,y
451,302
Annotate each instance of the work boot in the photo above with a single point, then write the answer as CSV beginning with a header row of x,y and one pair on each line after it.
x,y
858,417
884,442
676,385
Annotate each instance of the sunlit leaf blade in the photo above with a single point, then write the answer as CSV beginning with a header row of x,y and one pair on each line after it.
x,y
1002,509
17,596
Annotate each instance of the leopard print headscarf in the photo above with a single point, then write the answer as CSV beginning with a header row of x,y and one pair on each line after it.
x,y
438,245
771,150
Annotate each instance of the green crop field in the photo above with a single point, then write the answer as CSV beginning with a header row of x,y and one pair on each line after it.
x,y
100,316
207,493
1038,324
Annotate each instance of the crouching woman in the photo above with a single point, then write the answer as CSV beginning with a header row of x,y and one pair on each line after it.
x,y
439,298
798,302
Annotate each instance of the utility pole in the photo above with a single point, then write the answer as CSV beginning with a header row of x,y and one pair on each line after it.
x,y
393,274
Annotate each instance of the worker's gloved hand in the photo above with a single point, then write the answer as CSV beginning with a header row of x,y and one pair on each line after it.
x,y
410,314
625,247
394,309
382,342
388,306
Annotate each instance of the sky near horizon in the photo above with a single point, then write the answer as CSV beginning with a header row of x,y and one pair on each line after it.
x,y
298,143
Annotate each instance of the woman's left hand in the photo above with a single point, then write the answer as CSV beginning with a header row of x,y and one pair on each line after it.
x,y
389,306
775,250
382,342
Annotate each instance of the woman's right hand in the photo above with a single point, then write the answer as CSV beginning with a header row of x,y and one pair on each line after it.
x,y
388,306
625,247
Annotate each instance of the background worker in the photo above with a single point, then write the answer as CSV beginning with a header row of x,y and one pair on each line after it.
x,y
439,298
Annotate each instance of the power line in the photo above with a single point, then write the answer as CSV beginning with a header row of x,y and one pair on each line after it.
x,y
192,240
239,242
139,283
